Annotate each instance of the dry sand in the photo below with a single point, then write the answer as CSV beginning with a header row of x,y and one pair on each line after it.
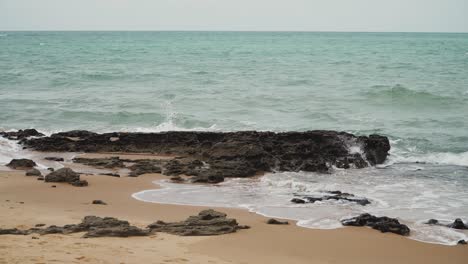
x,y
25,201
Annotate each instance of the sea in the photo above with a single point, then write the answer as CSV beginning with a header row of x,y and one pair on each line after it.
x,y
411,87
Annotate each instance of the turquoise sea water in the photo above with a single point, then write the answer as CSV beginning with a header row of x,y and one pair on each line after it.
x,y
412,87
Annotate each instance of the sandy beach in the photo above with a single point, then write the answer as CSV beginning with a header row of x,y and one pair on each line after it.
x,y
25,202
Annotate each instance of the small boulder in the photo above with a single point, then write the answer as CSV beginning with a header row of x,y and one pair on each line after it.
x,y
273,221
80,183
383,224
458,224
33,172
99,202
21,164
462,242
63,175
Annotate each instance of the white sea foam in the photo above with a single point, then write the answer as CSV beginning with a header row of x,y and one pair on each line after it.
x,y
397,191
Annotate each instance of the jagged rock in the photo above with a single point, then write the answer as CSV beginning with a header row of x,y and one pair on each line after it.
x,y
54,158
206,223
233,154
462,242
33,172
63,175
273,221
144,167
112,162
21,134
336,195
99,202
21,164
383,224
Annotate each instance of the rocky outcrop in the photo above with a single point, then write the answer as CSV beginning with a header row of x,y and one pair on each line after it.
x,y
335,195
66,175
457,224
93,226
21,134
21,164
206,223
216,155
33,172
383,224
145,166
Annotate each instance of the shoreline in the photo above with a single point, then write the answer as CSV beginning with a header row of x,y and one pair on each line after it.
x,y
261,244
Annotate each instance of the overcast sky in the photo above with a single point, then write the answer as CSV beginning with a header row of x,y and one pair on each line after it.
x,y
256,15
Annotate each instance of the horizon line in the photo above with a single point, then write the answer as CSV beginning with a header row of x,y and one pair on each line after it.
x,y
239,31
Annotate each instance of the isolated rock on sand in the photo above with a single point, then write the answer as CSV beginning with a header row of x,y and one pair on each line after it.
x,y
383,224
66,175
206,223
21,164
462,242
99,202
33,172
273,221
335,195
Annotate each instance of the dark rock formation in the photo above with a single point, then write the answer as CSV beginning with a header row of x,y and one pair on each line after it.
x,y
273,221
93,226
110,174
336,195
462,242
206,223
21,134
21,164
66,175
217,155
383,224
54,158
101,202
457,224
177,179
33,172
112,162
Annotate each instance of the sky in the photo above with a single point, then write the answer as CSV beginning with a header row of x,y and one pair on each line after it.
x,y
237,15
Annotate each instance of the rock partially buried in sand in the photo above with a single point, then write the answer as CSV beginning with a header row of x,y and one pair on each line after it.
x,y
101,202
273,221
94,226
33,172
206,223
66,175
383,224
21,164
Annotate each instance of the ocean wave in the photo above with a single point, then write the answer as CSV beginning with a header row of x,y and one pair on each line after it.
x,y
439,158
399,94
